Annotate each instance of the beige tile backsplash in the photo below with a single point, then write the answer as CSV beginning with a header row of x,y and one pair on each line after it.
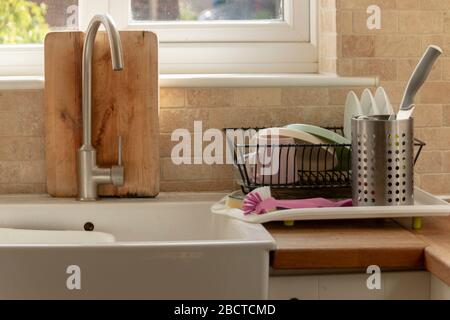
x,y
347,47
408,27
22,158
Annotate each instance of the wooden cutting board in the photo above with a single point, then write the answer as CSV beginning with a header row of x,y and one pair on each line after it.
x,y
124,103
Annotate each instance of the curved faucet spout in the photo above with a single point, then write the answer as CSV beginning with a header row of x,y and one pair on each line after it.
x,y
90,175
117,65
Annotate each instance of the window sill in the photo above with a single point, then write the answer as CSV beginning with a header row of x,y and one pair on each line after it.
x,y
264,80
21,83
220,80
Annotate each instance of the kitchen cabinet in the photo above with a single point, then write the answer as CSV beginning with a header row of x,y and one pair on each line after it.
x,y
439,290
394,286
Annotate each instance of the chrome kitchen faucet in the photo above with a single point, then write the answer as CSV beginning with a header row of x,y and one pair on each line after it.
x,y
89,174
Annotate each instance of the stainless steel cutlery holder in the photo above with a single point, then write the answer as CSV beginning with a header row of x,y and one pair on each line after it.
x,y
382,161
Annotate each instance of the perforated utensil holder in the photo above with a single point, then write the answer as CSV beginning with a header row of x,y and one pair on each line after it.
x,y
382,161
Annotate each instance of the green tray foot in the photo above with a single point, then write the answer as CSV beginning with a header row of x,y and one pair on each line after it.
x,y
417,223
289,223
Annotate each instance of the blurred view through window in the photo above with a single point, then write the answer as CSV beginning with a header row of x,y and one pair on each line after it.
x,y
28,21
201,10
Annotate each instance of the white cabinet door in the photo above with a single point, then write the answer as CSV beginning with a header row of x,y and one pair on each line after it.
x,y
407,286
348,287
439,289
394,286
292,287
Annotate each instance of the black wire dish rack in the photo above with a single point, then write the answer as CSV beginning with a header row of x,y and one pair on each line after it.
x,y
295,170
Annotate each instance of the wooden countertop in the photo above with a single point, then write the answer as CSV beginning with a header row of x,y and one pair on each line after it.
x,y
357,244
436,234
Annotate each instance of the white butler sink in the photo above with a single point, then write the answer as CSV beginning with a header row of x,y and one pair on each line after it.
x,y
166,248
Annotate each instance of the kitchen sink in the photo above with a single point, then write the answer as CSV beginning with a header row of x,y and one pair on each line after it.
x,y
171,247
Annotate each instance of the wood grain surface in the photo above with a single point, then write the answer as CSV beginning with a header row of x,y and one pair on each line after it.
x,y
356,244
346,244
436,233
124,103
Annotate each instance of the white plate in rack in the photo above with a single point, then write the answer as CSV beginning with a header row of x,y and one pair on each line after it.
x,y
426,205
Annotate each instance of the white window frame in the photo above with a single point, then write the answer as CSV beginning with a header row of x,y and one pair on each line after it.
x,y
21,60
203,48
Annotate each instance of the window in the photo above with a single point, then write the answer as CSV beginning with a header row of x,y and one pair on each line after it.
x,y
218,20
23,26
209,10
28,21
197,36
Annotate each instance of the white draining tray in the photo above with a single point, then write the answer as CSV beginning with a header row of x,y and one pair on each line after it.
x,y
426,205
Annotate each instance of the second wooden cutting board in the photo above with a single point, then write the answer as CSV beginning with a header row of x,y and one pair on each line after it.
x,y
124,104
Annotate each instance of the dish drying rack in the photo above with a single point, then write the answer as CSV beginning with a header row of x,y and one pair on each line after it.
x,y
305,170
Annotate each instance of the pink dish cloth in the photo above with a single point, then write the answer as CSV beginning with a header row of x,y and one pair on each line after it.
x,y
253,203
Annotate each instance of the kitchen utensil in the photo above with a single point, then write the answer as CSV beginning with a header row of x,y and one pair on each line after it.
x,y
418,78
383,103
382,161
260,201
352,109
368,104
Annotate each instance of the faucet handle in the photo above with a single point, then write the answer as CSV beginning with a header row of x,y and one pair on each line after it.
x,y
119,150
117,172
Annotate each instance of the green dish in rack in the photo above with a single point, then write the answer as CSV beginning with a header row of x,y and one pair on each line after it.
x,y
328,135
332,138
